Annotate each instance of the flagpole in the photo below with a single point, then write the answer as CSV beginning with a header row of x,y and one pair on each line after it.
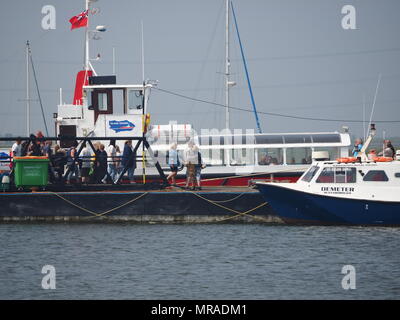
x,y
28,128
87,67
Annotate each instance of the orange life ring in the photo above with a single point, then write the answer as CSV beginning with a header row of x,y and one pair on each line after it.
x,y
346,160
383,159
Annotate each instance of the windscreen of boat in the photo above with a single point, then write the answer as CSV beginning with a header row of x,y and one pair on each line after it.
x,y
310,174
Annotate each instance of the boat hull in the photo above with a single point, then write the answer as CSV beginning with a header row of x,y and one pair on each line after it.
x,y
295,206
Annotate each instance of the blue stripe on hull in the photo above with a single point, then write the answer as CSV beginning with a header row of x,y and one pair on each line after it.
x,y
299,206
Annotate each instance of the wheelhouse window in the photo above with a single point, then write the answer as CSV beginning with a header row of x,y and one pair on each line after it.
x,y
135,100
270,156
310,174
337,175
376,175
298,155
102,101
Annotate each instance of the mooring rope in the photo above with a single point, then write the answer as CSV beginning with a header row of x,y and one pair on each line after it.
x,y
102,213
216,203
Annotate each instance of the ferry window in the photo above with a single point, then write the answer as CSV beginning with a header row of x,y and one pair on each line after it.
x,y
310,174
135,99
268,139
242,157
397,174
102,101
297,139
270,156
376,175
298,155
324,138
89,99
213,157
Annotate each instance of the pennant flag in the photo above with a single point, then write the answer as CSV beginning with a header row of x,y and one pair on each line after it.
x,y
80,20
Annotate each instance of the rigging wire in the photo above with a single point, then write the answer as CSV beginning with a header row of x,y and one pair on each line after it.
x,y
38,92
268,113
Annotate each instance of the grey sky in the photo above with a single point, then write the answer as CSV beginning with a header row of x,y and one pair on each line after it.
x,y
301,61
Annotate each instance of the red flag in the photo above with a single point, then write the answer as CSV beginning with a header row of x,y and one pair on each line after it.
x,y
80,20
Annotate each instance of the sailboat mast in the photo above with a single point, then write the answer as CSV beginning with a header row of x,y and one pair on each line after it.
x,y
227,65
28,107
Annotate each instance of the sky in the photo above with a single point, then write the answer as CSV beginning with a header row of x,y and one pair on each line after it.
x,y
301,61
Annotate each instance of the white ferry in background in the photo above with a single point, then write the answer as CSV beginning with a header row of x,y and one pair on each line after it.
x,y
347,191
235,159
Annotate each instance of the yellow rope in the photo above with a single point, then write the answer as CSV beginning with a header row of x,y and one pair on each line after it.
x,y
102,213
237,213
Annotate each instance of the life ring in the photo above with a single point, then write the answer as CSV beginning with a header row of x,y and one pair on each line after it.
x,y
346,160
383,159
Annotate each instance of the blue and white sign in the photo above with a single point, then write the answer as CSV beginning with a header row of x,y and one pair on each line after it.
x,y
119,126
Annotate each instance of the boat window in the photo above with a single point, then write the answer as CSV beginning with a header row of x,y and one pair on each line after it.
x,y
135,99
310,174
270,156
268,139
376,175
102,101
213,157
326,138
242,157
298,155
337,175
293,138
397,174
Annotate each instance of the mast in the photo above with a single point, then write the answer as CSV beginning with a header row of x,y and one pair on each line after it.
x,y
227,65
28,128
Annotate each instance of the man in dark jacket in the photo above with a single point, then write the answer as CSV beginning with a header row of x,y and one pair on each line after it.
x,y
129,160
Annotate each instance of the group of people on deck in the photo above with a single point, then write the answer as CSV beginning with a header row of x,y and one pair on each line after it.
x,y
388,150
193,162
99,166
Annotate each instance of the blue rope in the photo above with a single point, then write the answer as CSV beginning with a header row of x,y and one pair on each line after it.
x,y
247,73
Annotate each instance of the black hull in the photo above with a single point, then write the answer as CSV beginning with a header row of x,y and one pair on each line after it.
x,y
137,206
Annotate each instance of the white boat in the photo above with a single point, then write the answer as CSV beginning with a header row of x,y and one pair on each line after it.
x,y
347,191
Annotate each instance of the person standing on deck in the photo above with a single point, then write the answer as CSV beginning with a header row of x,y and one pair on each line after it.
x,y
111,168
388,150
16,148
86,163
191,159
173,161
200,165
129,160
72,163
358,144
101,162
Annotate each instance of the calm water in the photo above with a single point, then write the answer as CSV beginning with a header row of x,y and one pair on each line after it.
x,y
116,261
